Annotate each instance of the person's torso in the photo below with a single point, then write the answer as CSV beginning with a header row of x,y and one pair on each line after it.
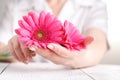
x,y
75,11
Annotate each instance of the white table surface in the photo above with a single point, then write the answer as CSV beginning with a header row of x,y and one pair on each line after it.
x,y
48,71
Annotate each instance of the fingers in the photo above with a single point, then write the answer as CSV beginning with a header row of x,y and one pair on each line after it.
x,y
49,55
61,51
11,50
54,54
18,50
26,52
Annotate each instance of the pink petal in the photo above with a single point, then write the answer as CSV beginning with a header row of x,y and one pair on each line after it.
x,y
56,39
30,21
72,32
34,17
24,25
23,32
49,19
88,40
36,44
55,26
24,39
57,33
42,18
29,43
43,45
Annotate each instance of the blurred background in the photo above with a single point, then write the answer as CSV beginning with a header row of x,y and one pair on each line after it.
x,y
113,55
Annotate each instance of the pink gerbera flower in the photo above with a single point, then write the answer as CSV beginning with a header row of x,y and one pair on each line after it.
x,y
40,31
73,39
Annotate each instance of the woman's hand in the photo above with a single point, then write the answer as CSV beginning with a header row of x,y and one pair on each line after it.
x,y
18,50
90,56
60,55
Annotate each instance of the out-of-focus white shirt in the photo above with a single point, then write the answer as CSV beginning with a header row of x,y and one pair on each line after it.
x,y
83,14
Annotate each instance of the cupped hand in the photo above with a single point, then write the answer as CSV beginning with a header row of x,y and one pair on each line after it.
x,y
60,55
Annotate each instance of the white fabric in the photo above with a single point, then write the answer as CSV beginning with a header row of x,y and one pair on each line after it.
x,y
83,14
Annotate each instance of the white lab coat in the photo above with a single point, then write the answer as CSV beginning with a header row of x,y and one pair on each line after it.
x,y
83,14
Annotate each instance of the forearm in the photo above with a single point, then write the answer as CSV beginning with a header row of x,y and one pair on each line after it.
x,y
96,50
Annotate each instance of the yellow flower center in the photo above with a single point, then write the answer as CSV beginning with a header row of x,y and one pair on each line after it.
x,y
40,35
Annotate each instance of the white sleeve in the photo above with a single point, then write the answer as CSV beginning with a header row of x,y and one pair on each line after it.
x,y
97,17
6,24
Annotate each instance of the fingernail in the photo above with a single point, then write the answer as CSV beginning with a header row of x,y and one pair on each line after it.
x,y
32,49
50,46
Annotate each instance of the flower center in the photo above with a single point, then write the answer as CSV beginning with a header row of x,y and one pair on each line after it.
x,y
40,34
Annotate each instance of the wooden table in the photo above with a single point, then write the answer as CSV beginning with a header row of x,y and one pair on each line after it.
x,y
49,71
